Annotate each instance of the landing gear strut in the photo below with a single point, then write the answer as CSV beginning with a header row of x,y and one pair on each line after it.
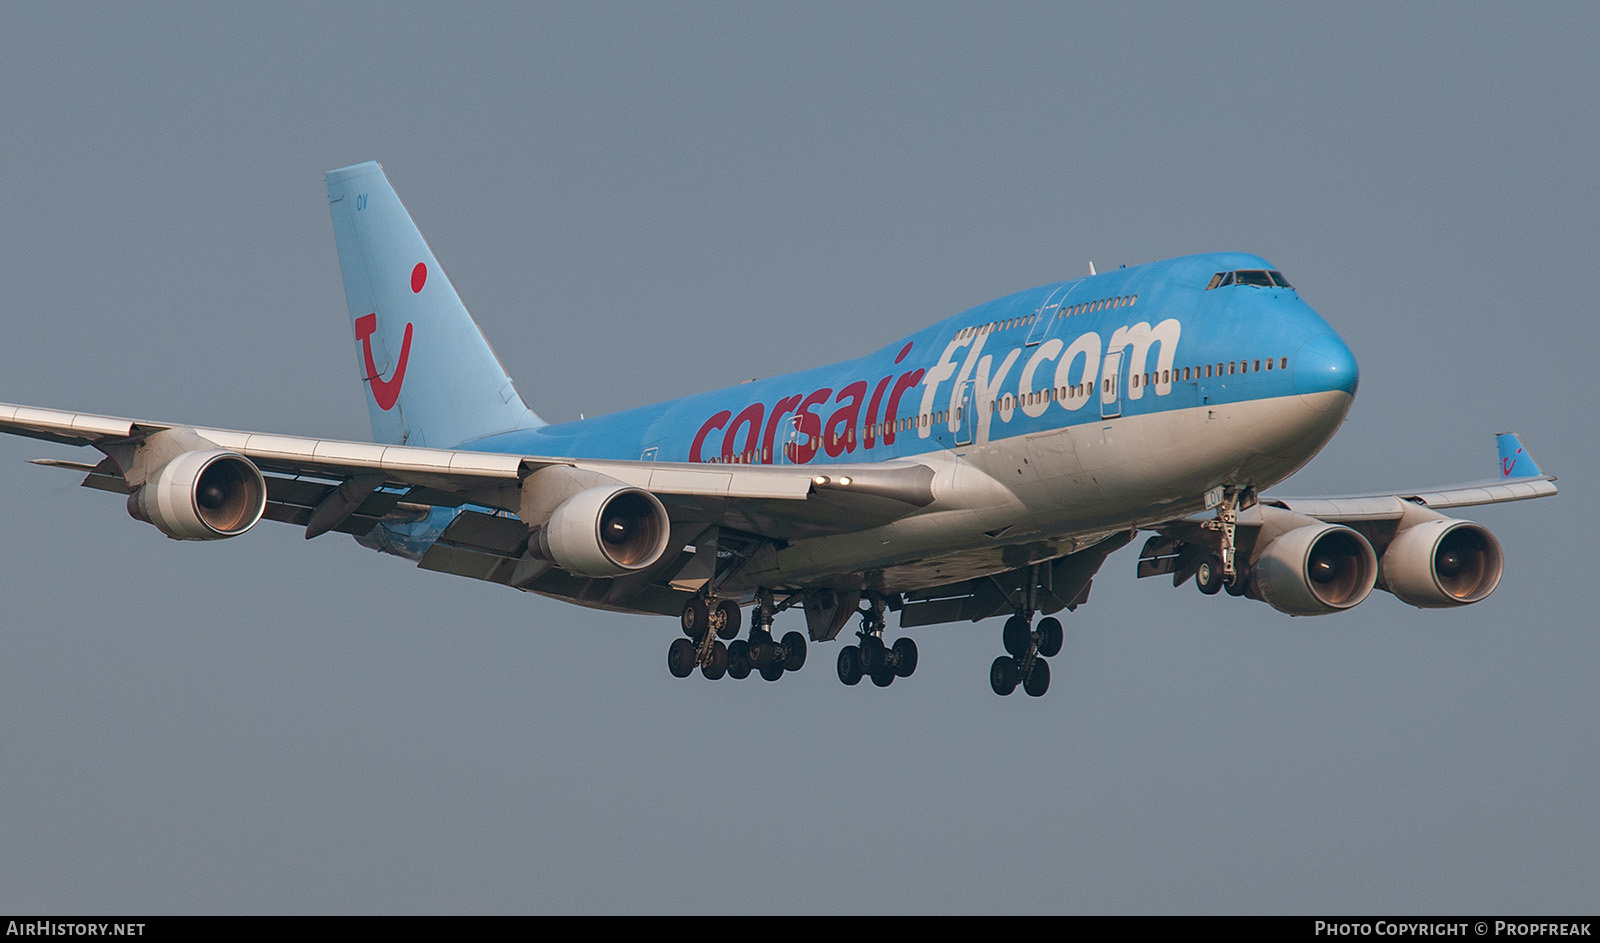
x,y
1223,570
705,624
766,655
882,663
1027,648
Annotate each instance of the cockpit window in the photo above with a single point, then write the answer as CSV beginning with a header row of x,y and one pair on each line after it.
x,y
1257,277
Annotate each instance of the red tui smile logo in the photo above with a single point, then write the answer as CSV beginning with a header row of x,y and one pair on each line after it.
x,y
384,391
387,392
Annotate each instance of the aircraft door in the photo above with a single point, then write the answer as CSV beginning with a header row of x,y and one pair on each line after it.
x,y
1111,386
966,416
791,442
1044,320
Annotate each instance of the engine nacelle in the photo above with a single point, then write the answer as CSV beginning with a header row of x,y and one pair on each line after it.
x,y
1316,569
605,531
202,495
1442,563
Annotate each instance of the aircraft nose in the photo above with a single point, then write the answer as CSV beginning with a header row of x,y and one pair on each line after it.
x,y
1325,365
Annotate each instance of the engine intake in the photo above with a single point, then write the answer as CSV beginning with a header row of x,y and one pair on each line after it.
x,y
605,531
1442,563
202,495
1316,569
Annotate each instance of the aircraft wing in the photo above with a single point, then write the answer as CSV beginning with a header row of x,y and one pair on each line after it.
x,y
304,474
1380,518
1520,479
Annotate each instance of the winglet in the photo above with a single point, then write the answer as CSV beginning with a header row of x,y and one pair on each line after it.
x,y
1515,462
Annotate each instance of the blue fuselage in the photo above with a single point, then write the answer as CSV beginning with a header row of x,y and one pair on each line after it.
x,y
1124,343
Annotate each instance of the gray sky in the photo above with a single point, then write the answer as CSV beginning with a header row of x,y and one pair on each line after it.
x,y
640,201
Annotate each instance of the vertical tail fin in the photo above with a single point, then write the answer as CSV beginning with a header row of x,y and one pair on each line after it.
x,y
431,378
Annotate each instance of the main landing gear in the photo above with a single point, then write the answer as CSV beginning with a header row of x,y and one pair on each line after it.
x,y
1027,648
704,628
874,659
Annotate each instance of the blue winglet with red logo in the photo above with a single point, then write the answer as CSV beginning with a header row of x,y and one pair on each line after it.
x,y
430,376
1515,462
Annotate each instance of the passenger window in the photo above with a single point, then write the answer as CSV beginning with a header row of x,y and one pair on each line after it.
x,y
1283,363
1134,300
1258,366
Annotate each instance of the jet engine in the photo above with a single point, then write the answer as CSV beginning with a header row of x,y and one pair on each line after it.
x,y
1315,569
605,531
1442,563
202,495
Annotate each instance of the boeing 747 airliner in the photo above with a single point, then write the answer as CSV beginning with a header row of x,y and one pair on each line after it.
x,y
983,466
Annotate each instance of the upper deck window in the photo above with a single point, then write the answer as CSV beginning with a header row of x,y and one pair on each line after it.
x,y
1261,278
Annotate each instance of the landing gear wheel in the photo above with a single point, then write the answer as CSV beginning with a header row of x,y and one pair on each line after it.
x,y
772,672
1038,679
850,664
680,657
1240,584
1017,637
905,657
695,618
883,676
762,648
718,665
739,660
1209,577
794,644
872,654
729,619
1050,636
1003,675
